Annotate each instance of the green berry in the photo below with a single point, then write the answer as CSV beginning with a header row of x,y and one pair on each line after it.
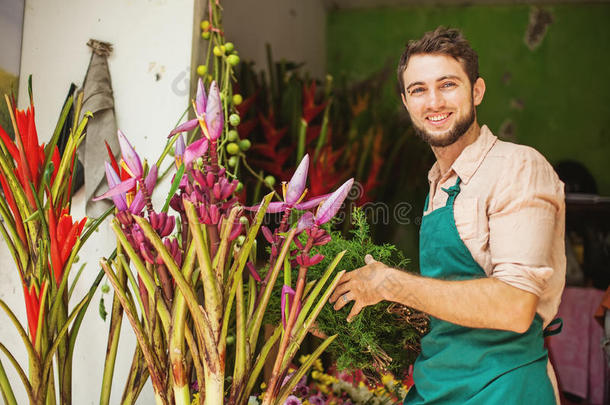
x,y
230,340
233,60
234,120
237,99
240,240
240,186
217,51
232,135
105,288
233,161
202,70
233,148
243,220
270,181
229,46
205,25
205,35
244,144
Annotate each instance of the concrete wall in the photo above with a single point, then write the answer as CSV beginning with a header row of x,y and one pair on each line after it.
x,y
149,68
296,30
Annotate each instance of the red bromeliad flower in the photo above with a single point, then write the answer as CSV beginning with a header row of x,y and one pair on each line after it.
x,y
63,234
32,308
28,157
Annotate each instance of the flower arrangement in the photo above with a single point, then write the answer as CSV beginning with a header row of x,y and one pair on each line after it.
x,y
318,387
43,240
180,279
382,338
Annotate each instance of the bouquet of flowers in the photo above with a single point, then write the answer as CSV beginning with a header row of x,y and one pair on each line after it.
x,y
190,283
43,240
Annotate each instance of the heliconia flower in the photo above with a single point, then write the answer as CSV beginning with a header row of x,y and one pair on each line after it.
x,y
287,290
310,109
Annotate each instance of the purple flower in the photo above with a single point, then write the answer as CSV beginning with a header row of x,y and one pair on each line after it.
x,y
208,113
327,210
316,400
294,191
288,291
292,400
118,190
131,160
179,150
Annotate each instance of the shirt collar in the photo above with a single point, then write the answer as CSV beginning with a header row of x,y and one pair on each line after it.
x,y
466,165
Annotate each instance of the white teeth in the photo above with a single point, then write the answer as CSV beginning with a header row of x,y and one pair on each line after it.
x,y
438,117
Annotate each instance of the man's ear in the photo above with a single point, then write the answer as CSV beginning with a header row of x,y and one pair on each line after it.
x,y
478,91
404,100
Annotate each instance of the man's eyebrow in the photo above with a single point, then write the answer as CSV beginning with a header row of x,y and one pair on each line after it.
x,y
415,84
440,79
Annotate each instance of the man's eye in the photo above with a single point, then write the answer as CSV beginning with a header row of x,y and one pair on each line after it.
x,y
417,90
448,84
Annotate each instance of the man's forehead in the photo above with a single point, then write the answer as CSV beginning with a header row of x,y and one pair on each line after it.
x,y
432,67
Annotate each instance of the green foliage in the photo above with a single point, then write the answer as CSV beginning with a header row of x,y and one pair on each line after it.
x,y
375,335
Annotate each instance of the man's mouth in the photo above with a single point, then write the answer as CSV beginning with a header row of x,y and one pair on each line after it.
x,y
437,119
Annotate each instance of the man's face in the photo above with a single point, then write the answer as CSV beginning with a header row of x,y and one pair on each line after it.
x,y
439,98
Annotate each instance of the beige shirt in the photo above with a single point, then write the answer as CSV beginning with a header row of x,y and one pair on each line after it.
x,y
510,213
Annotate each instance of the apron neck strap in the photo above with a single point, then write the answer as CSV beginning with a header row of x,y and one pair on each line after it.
x,y
452,192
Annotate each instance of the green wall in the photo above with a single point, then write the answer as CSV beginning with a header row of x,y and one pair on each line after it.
x,y
556,96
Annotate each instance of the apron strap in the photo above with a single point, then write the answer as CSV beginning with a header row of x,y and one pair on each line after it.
x,y
452,192
553,328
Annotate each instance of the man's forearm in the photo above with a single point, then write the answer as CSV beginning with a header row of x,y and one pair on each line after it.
x,y
480,303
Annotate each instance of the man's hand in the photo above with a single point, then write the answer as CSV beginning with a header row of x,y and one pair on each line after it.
x,y
365,286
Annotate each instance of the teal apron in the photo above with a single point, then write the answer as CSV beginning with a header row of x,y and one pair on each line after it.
x,y
460,365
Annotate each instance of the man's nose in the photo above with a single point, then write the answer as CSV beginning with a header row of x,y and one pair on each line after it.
x,y
435,99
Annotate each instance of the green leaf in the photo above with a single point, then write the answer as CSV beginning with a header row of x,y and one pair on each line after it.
x,y
102,309
174,187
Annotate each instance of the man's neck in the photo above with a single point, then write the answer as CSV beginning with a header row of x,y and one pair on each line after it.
x,y
446,155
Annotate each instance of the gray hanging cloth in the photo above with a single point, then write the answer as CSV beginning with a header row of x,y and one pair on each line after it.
x,y
102,127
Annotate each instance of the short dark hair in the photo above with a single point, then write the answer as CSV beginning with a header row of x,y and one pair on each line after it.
x,y
444,41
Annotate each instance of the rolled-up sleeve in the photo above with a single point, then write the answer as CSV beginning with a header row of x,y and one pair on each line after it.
x,y
523,214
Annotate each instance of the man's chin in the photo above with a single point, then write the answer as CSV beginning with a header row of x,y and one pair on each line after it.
x,y
442,139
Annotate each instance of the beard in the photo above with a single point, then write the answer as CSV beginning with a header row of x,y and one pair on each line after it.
x,y
449,137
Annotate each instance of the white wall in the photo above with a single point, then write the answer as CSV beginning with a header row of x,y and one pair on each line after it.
x,y
149,37
296,30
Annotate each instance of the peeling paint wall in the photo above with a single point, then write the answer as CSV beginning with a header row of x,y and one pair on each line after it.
x,y
545,69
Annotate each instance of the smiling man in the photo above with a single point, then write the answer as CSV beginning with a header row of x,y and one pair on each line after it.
x,y
492,256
